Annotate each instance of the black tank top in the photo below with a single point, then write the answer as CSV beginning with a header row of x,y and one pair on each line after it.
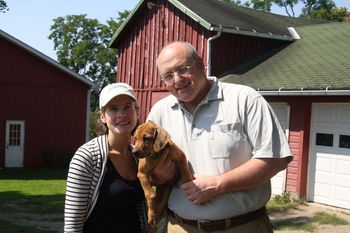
x,y
115,210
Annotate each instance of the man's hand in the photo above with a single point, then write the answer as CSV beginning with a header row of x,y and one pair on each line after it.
x,y
202,189
164,171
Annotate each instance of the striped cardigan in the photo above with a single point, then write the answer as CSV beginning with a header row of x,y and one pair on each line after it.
x,y
85,175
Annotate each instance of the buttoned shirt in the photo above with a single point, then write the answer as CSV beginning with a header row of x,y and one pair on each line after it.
x,y
230,126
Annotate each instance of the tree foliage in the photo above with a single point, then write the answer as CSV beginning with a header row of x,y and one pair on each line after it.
x,y
313,9
288,6
3,6
264,5
81,44
323,9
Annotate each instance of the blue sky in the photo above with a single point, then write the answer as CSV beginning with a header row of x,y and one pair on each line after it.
x,y
30,20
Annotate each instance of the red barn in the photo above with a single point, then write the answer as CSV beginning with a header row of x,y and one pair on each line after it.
x,y
45,106
300,66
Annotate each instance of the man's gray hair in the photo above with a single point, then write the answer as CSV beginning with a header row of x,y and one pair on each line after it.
x,y
190,49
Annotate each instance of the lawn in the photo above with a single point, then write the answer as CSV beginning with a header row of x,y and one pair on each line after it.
x,y
29,196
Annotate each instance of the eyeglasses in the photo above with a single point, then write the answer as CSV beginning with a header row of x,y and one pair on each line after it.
x,y
169,77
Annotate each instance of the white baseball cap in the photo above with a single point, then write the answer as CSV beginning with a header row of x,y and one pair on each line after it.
x,y
112,90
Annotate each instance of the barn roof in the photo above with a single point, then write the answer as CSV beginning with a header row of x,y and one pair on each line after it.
x,y
216,15
45,58
318,62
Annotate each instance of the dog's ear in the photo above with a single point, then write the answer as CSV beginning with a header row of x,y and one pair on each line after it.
x,y
161,139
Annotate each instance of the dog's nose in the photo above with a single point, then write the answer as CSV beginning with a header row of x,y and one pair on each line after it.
x,y
140,154
137,154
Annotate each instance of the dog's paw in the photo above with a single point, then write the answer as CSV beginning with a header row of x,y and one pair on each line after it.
x,y
153,229
152,225
152,221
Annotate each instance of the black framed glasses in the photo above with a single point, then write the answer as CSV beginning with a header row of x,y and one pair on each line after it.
x,y
169,77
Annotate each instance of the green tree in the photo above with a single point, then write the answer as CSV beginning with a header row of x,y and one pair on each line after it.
x,y
3,6
81,44
313,9
264,5
288,6
323,9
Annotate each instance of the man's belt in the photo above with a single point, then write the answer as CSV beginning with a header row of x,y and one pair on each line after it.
x,y
223,224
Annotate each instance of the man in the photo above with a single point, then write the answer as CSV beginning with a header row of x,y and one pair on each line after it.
x,y
232,140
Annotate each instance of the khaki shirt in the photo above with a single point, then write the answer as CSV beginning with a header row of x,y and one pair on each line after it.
x,y
232,124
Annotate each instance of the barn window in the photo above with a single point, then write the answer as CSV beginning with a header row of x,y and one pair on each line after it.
x,y
324,139
15,135
344,141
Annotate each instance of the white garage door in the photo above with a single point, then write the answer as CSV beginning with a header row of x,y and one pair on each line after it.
x,y
329,157
282,112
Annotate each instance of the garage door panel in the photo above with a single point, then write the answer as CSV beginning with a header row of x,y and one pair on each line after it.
x,y
342,204
343,167
323,177
344,115
342,193
323,163
325,115
323,190
341,180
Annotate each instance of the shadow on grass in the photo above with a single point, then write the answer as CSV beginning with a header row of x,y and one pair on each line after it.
x,y
14,201
8,227
297,223
33,174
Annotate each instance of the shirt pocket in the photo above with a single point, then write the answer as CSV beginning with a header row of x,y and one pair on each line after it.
x,y
224,138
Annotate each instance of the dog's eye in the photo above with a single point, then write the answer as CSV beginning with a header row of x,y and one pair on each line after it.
x,y
147,138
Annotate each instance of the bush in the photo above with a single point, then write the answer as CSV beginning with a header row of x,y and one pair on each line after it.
x,y
283,202
54,158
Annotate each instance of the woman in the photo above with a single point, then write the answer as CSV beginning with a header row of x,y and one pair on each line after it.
x,y
103,193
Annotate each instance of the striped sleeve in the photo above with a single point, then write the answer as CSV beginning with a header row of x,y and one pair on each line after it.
x,y
81,183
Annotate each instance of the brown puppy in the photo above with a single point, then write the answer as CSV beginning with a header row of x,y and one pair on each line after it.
x,y
150,142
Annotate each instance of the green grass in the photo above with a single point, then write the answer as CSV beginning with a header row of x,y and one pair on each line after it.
x,y
29,194
331,219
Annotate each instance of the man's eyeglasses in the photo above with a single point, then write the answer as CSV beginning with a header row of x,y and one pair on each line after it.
x,y
169,77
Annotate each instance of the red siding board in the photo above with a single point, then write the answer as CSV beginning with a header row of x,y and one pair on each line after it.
x,y
292,176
